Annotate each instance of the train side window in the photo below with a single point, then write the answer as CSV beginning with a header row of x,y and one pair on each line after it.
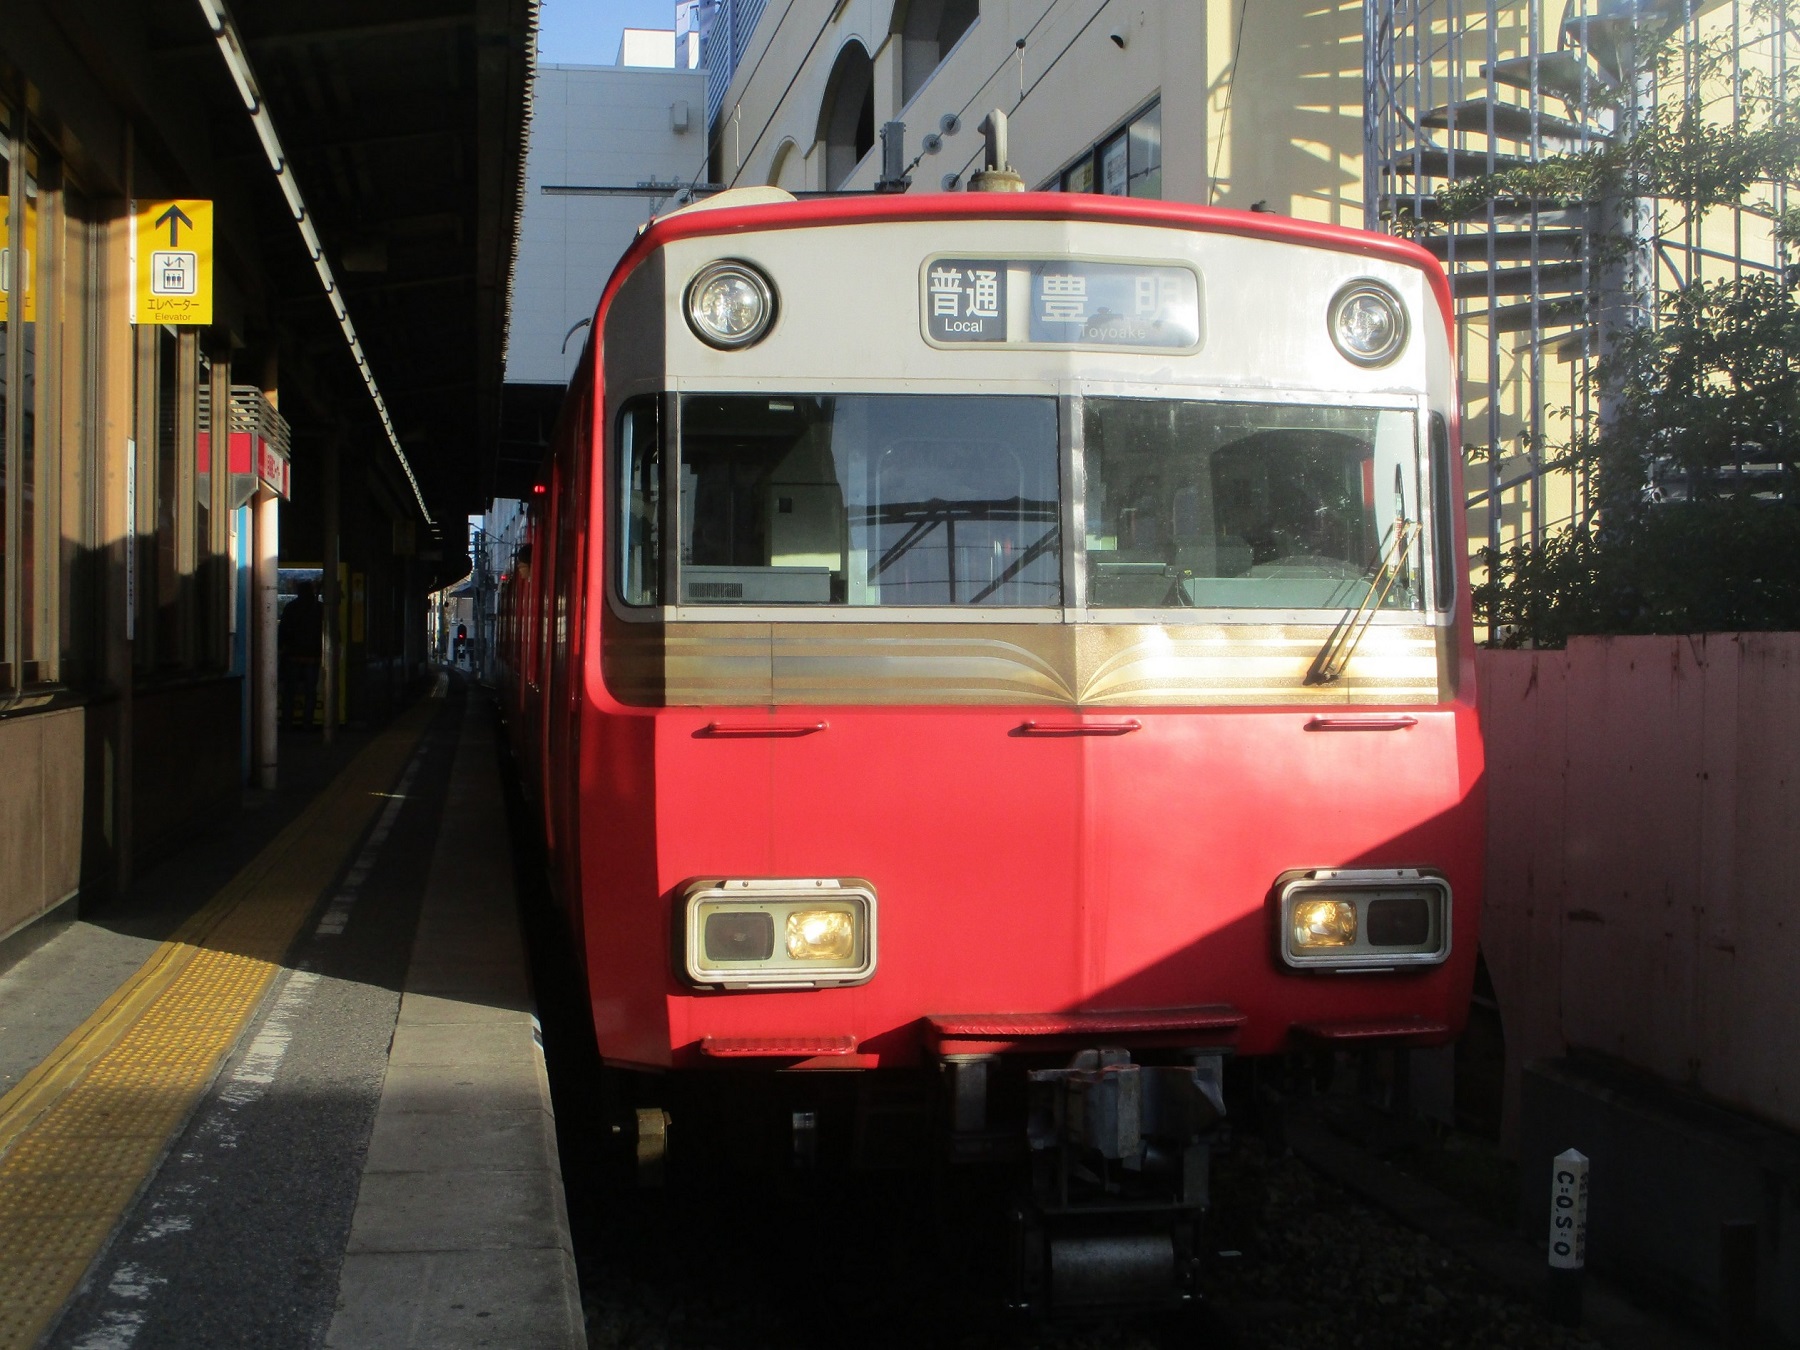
x,y
640,500
1443,513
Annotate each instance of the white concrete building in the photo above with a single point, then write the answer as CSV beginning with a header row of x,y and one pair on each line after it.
x,y
608,145
602,139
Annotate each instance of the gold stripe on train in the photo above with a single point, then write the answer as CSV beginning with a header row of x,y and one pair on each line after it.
x,y
1066,665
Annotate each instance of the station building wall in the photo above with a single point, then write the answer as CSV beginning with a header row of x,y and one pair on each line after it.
x,y
115,684
123,692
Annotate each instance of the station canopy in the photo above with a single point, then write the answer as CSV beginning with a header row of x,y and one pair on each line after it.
x,y
404,124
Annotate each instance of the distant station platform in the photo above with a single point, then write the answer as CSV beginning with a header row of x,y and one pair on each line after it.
x,y
290,1088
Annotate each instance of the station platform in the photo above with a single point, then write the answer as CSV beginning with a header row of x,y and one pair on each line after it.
x,y
290,1090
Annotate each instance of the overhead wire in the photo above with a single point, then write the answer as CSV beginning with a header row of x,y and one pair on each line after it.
x,y
1237,50
1041,75
811,47
237,61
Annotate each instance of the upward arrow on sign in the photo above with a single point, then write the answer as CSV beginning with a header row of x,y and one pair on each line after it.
x,y
175,218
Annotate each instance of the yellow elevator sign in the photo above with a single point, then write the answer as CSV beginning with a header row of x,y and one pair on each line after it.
x,y
18,264
172,262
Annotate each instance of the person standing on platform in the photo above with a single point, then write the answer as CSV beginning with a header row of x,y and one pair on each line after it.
x,y
301,633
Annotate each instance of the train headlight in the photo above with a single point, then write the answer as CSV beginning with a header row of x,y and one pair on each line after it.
x,y
1363,919
756,933
746,935
730,305
821,934
1368,323
1325,923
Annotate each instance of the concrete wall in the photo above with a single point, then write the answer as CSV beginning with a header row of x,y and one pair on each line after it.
x,y
1670,1178
1644,840
591,126
1640,928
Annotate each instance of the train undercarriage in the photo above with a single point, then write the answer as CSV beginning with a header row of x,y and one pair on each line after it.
x,y
1091,1168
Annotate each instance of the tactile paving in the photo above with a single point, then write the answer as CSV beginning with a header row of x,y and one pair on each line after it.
x,y
81,1134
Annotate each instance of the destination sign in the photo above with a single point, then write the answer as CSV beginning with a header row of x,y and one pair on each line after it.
x,y
1060,302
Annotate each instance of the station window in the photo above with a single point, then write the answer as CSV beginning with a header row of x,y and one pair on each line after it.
x,y
28,416
1127,163
176,625
76,571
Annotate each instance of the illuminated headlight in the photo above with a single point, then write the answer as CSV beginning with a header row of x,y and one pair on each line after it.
x,y
821,934
782,934
1368,323
1324,923
1364,919
730,305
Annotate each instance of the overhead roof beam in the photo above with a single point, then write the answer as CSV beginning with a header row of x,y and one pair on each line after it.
x,y
361,33
231,47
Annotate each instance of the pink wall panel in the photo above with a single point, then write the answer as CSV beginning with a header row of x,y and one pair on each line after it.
x,y
1644,844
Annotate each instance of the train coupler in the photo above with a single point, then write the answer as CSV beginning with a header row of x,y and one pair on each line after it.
x,y
1121,1170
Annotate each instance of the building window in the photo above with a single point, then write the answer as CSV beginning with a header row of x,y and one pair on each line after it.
x,y
847,118
49,379
1127,163
28,519
928,29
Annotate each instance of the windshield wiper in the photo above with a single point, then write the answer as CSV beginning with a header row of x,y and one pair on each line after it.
x,y
1334,658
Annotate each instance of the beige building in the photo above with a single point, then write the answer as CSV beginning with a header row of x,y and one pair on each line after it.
x,y
1350,113
1090,89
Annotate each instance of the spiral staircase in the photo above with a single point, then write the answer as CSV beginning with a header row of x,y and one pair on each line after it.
x,y
1460,89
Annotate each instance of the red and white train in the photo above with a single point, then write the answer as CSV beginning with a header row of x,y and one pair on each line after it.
x,y
1015,645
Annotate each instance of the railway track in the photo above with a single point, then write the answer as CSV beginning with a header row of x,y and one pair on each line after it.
x,y
761,1261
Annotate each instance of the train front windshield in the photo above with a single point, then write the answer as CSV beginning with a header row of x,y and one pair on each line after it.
x,y
960,501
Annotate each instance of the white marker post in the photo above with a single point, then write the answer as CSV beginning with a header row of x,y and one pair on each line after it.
x,y
1568,1235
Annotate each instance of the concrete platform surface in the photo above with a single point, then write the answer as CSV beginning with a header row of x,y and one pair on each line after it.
x,y
289,1090
460,1236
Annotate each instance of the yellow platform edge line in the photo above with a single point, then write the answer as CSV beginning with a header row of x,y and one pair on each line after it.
x,y
91,1039
111,1044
